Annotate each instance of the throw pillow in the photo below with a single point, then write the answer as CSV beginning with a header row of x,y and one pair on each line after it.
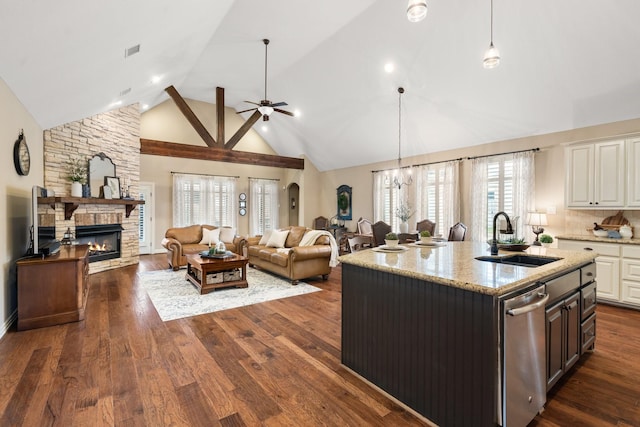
x,y
227,234
265,237
210,237
277,238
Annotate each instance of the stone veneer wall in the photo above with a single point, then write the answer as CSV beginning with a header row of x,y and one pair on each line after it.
x,y
117,134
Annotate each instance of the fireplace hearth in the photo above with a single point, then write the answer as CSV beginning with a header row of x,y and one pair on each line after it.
x,y
103,240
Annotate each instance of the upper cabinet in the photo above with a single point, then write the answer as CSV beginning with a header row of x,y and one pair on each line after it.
x,y
596,175
633,173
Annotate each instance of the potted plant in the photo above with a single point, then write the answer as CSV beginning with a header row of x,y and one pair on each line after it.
x,y
546,240
404,212
77,174
391,239
425,236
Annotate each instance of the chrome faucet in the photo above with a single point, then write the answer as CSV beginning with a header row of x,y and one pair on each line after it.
x,y
494,242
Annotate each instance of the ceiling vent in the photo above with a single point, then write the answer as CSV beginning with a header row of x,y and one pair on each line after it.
x,y
126,91
132,50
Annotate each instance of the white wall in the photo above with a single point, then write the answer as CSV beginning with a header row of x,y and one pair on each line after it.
x,y
15,193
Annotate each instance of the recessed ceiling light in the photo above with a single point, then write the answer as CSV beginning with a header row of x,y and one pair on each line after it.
x,y
145,106
115,104
389,67
265,128
155,79
297,113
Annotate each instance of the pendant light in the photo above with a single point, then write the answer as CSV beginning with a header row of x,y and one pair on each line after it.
x,y
416,10
491,56
399,178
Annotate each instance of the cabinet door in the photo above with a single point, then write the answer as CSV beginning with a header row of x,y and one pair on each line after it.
x,y
633,172
609,184
572,320
579,179
608,277
554,333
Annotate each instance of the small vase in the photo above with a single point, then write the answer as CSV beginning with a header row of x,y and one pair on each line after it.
x,y
76,189
404,227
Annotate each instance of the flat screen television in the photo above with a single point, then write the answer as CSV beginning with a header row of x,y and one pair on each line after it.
x,y
43,237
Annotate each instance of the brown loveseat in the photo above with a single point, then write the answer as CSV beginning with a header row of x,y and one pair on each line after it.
x,y
181,241
293,261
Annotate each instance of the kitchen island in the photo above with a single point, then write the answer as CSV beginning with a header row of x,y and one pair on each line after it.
x,y
425,325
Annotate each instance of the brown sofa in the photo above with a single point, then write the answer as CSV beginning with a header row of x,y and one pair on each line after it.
x,y
296,263
181,241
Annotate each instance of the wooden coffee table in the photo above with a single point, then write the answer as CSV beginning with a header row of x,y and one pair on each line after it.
x,y
198,268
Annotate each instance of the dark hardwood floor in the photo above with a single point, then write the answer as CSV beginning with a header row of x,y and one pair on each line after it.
x,y
275,363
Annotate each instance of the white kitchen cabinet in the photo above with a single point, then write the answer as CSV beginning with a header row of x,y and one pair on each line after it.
x,y
595,175
633,172
617,269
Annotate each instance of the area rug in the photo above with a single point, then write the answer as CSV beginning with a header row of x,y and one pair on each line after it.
x,y
174,297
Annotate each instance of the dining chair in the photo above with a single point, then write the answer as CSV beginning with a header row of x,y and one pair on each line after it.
x,y
380,229
363,228
320,223
457,232
428,225
358,243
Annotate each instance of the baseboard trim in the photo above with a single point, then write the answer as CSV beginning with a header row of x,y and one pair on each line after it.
x,y
7,323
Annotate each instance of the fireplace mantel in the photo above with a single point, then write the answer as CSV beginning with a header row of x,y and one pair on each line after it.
x,y
72,203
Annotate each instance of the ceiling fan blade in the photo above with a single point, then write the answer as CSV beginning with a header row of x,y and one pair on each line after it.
x,y
283,112
244,111
279,104
251,102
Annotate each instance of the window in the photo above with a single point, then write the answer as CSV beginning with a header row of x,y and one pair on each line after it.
x,y
263,205
502,183
438,195
434,195
204,199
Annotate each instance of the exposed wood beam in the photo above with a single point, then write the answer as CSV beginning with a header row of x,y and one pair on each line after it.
x,y
243,130
220,114
191,117
172,149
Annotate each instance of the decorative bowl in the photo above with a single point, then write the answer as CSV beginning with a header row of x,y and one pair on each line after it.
x,y
600,233
513,246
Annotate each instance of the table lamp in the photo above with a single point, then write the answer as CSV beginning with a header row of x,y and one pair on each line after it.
x,y
536,220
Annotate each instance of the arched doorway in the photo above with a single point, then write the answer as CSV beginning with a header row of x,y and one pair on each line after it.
x,y
294,203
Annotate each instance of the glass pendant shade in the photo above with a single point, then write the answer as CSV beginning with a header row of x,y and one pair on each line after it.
x,y
416,10
491,57
265,110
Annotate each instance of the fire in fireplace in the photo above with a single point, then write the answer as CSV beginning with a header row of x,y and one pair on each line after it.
x,y
103,240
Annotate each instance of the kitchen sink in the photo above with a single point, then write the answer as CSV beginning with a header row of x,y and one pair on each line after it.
x,y
520,260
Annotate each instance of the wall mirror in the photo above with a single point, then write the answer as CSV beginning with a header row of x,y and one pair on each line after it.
x,y
99,166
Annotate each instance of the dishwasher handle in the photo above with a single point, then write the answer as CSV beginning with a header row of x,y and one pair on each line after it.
x,y
530,307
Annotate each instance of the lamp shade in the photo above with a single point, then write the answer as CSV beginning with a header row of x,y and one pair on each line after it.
x,y
416,10
537,219
265,110
491,57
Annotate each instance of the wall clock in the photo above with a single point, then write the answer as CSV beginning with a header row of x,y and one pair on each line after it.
x,y
21,157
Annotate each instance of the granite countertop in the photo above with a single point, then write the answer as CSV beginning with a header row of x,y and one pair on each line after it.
x,y
454,264
592,238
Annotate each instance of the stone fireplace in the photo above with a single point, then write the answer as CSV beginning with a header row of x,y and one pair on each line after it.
x,y
115,133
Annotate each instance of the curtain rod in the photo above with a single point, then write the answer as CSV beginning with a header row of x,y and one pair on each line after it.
x,y
265,179
502,154
420,164
204,174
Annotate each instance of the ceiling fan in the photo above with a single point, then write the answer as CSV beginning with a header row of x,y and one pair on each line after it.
x,y
266,107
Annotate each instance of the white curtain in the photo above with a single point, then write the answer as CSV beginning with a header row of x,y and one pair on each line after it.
x,y
204,199
263,205
524,187
479,199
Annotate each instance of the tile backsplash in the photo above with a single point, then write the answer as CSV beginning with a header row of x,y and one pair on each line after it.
x,y
578,222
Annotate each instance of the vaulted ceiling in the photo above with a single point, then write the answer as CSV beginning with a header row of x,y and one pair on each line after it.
x,y
565,64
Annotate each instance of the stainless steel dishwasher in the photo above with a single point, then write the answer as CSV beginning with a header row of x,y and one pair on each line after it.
x,y
525,385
